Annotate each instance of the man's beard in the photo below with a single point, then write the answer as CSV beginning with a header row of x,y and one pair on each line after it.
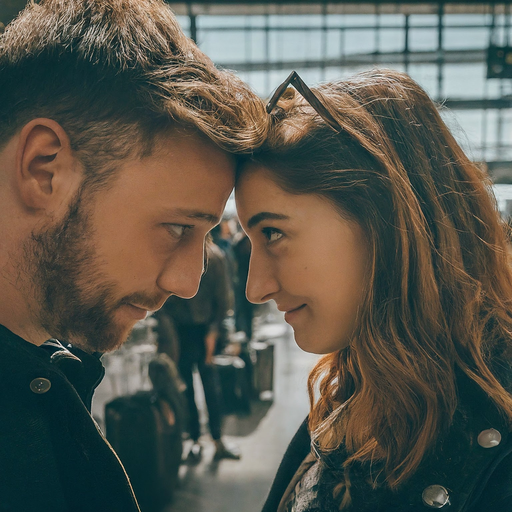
x,y
76,299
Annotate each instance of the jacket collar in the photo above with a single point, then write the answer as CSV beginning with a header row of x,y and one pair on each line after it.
x,y
84,371
23,361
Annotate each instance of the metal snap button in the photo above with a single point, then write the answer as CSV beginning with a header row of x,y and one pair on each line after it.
x,y
40,385
435,496
489,438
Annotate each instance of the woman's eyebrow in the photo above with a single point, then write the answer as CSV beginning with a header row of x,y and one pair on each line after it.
x,y
259,217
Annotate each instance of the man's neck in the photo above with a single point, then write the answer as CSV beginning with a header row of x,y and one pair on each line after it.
x,y
15,312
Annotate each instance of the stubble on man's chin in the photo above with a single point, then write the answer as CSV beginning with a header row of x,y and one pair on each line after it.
x,y
74,300
103,343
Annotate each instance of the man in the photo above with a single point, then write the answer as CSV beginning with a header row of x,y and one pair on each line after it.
x,y
116,135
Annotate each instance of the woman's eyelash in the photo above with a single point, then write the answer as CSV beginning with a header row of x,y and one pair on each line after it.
x,y
272,235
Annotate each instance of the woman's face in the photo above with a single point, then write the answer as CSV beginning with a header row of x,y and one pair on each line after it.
x,y
306,257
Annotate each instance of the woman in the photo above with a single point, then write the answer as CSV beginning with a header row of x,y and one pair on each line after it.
x,y
378,237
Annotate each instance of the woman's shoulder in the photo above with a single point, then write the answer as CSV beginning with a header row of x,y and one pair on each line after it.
x,y
469,465
472,454
495,494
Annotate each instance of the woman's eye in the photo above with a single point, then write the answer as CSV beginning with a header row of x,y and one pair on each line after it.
x,y
272,235
177,230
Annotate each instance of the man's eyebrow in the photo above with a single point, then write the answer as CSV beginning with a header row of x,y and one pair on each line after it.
x,y
259,217
198,215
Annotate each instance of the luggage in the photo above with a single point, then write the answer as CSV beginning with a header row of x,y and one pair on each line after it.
x,y
263,370
143,431
234,384
167,384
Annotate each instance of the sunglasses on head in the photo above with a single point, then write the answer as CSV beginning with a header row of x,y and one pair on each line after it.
x,y
299,84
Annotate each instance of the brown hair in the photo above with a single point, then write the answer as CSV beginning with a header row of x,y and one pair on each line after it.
x,y
438,296
114,74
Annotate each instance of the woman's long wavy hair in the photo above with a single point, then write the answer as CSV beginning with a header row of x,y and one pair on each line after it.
x,y
439,290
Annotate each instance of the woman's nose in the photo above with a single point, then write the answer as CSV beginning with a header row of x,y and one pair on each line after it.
x,y
262,284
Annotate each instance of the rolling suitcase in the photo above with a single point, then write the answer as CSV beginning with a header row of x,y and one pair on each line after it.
x,y
142,430
263,370
234,384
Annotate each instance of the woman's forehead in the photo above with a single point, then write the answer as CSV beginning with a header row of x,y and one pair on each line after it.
x,y
257,195
255,189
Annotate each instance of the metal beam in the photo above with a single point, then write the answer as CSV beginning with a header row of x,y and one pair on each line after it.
x,y
484,104
10,8
237,7
499,165
366,59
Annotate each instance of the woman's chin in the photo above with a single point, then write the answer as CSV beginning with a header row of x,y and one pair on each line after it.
x,y
314,346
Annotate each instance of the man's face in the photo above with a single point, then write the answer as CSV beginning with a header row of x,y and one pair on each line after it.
x,y
121,251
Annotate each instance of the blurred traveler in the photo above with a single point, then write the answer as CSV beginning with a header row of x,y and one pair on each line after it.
x,y
244,310
116,136
198,324
223,239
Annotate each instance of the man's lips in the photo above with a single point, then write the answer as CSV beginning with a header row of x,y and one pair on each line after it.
x,y
137,312
139,307
147,306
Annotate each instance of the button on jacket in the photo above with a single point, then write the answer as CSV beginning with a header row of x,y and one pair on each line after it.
x,y
469,469
53,458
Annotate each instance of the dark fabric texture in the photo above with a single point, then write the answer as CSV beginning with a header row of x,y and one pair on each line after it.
x,y
477,479
53,458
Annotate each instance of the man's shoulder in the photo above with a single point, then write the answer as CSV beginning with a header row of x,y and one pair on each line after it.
x,y
29,385
48,441
26,431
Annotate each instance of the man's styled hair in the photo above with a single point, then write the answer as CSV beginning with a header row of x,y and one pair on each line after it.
x,y
115,74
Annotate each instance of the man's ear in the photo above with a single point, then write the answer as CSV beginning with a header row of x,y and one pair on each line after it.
x,y
45,166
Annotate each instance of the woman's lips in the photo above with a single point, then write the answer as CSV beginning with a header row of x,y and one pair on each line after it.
x,y
291,315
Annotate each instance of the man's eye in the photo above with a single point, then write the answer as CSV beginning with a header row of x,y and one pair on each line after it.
x,y
177,230
272,235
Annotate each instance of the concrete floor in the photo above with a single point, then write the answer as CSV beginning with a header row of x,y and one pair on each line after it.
x,y
229,486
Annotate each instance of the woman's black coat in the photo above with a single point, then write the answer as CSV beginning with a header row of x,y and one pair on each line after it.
x,y
477,479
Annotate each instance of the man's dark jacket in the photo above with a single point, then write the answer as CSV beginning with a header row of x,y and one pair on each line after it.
x,y
53,458
477,479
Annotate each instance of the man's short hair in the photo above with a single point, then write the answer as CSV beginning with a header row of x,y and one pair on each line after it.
x,y
115,74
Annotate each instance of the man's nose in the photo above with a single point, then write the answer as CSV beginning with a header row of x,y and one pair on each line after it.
x,y
182,273
262,285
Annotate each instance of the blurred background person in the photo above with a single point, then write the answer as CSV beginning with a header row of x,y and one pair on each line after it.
x,y
244,310
199,323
